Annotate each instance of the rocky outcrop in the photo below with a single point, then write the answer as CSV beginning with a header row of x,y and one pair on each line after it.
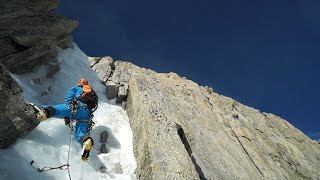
x,y
184,131
17,118
116,79
30,34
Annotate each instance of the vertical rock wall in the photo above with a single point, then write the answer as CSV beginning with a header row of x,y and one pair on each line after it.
x,y
184,131
17,118
30,35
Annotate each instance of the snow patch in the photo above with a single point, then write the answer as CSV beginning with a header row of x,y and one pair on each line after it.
x,y
48,144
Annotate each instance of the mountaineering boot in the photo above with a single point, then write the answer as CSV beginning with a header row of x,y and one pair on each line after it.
x,y
104,137
86,147
41,114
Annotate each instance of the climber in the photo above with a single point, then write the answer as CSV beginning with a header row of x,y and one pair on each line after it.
x,y
79,104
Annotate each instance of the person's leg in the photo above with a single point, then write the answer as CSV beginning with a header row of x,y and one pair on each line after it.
x,y
62,110
83,137
59,110
81,129
82,113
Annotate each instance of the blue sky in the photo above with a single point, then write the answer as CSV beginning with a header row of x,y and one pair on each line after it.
x,y
264,54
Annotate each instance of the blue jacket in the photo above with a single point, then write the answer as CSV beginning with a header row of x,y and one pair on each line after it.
x,y
73,94
63,110
83,113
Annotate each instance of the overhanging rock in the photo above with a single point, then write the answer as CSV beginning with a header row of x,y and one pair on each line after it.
x,y
17,118
30,34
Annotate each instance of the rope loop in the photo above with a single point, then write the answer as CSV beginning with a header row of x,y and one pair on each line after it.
x,y
62,167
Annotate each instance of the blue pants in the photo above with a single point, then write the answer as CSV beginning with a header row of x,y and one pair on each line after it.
x,y
62,110
80,130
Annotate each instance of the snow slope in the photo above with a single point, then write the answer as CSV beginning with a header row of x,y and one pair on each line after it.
x,y
47,145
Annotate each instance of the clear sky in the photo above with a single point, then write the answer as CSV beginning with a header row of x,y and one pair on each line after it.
x,y
264,54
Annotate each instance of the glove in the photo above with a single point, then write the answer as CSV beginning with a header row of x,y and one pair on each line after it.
x,y
66,121
41,115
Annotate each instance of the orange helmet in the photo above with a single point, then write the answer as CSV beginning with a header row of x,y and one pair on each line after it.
x,y
82,82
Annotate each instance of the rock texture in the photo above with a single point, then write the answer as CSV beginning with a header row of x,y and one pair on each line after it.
x,y
116,79
184,131
30,34
17,118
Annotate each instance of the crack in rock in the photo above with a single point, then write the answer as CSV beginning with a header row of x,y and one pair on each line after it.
x,y
187,146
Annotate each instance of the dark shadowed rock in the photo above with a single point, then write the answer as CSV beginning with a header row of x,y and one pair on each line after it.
x,y
124,104
17,118
122,93
53,69
112,90
30,33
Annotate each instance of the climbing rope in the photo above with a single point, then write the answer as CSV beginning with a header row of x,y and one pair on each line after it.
x,y
62,167
71,130
67,165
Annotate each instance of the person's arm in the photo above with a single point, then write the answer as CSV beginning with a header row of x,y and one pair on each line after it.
x,y
78,92
70,96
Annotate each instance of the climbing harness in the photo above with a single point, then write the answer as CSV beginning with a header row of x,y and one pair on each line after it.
x,y
67,165
90,122
70,137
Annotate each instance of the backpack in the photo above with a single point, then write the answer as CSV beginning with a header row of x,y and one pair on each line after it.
x,y
89,97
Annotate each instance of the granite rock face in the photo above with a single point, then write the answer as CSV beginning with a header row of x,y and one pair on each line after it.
x,y
30,34
184,131
115,76
17,118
